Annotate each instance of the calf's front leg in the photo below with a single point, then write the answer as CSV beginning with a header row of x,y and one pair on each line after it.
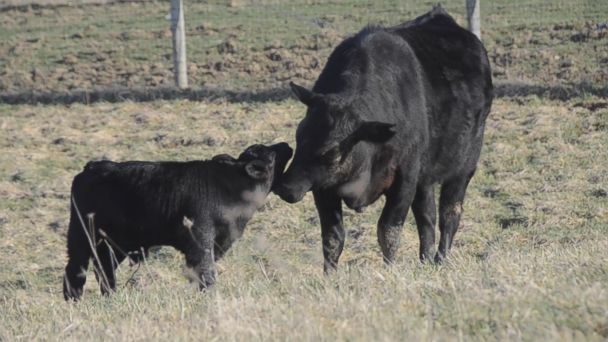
x,y
200,255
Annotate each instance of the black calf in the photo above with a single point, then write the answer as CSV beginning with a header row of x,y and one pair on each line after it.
x,y
198,207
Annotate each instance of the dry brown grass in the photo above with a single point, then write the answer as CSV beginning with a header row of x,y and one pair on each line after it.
x,y
529,259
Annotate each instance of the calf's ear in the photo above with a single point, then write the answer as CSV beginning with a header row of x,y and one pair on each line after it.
x,y
257,169
305,96
224,158
375,131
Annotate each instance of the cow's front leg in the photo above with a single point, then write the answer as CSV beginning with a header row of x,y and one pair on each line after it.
x,y
329,207
425,212
450,209
398,200
200,255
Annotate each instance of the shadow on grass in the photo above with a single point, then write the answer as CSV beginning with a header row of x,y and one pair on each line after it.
x,y
143,95
502,89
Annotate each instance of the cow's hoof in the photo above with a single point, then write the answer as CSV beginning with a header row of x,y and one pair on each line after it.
x,y
329,268
439,258
427,258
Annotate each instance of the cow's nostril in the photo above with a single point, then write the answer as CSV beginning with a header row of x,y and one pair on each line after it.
x,y
289,197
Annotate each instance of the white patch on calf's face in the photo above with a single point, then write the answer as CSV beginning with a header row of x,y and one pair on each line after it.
x,y
236,215
251,201
256,197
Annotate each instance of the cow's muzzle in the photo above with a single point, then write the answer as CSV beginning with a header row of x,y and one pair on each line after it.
x,y
292,189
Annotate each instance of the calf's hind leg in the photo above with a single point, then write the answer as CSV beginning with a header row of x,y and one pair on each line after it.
x,y
450,210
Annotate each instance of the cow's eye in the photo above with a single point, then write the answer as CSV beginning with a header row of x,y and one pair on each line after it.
x,y
332,155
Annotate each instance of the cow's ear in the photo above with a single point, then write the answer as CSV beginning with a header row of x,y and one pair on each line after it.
x,y
257,169
305,96
375,131
370,131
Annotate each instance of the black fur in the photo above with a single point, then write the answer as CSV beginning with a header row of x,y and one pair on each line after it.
x,y
395,111
198,207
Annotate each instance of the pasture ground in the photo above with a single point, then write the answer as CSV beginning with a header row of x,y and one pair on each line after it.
x,y
262,44
529,260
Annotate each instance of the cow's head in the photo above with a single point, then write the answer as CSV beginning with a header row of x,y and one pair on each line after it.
x,y
329,150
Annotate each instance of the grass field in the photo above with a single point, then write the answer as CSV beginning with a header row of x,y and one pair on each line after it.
x,y
529,261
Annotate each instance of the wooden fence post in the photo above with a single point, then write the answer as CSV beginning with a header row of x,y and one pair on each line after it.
x,y
473,17
179,44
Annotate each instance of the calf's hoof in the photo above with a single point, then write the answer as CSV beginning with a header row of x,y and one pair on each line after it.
x,y
71,293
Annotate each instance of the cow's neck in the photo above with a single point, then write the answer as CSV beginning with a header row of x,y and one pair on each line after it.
x,y
370,181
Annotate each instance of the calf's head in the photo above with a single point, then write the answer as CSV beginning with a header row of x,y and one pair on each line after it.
x,y
328,151
264,164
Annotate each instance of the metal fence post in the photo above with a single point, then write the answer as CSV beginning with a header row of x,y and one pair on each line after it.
x,y
473,17
179,44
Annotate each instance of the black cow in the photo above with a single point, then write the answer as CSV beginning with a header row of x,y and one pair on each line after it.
x,y
395,111
198,207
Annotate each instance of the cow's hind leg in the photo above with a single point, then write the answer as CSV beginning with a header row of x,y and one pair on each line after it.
x,y
398,200
79,252
329,207
425,212
450,210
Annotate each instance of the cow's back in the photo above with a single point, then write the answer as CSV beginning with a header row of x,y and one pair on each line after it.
x,y
452,57
458,90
